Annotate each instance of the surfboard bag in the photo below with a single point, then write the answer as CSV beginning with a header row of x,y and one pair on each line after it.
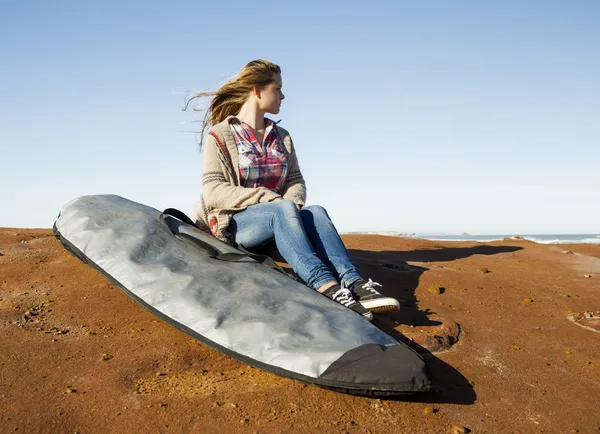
x,y
233,303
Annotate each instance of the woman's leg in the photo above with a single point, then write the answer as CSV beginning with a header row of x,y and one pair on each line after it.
x,y
259,224
327,243
330,248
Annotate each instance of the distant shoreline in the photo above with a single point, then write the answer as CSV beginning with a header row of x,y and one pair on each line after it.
x,y
536,238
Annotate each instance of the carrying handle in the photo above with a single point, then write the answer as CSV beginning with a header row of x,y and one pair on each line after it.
x,y
179,215
213,252
210,250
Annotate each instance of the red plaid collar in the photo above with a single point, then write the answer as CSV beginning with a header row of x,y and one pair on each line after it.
x,y
268,122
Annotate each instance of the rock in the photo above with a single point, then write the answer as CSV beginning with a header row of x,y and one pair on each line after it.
x,y
588,276
588,320
436,289
433,338
396,267
106,357
484,270
528,300
456,429
429,410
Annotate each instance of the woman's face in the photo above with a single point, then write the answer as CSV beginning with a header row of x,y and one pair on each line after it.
x,y
271,96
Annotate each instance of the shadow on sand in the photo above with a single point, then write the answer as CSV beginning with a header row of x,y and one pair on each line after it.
x,y
400,280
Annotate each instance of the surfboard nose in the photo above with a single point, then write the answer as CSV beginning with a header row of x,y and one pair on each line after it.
x,y
376,370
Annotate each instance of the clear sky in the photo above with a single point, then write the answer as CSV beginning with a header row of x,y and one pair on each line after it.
x,y
462,116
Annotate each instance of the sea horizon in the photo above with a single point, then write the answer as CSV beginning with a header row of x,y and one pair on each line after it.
x,y
593,238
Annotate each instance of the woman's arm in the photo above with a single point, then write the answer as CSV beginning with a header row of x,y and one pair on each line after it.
x,y
219,193
294,188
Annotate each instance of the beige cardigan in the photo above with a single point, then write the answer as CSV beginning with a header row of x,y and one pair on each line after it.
x,y
221,190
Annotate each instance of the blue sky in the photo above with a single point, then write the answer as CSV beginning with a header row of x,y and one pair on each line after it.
x,y
477,117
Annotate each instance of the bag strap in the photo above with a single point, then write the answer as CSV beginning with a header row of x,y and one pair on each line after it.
x,y
179,215
212,251
221,144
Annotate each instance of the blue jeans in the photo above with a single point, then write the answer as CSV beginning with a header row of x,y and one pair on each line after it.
x,y
306,239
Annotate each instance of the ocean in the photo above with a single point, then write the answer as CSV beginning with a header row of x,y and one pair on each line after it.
x,y
538,238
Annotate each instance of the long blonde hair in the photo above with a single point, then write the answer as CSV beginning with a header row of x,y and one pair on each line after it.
x,y
230,97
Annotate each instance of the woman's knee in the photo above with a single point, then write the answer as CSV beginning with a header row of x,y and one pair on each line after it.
x,y
285,209
316,210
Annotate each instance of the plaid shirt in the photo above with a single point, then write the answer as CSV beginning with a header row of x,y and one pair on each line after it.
x,y
260,165
221,198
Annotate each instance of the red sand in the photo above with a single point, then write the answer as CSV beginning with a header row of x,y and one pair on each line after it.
x,y
77,355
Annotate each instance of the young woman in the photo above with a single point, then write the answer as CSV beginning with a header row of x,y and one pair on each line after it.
x,y
253,191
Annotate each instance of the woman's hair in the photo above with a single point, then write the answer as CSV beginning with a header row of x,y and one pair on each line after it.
x,y
230,97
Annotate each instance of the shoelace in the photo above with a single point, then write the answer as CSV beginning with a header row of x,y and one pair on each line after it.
x,y
370,286
343,296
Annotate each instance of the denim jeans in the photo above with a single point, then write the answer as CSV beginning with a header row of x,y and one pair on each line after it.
x,y
306,239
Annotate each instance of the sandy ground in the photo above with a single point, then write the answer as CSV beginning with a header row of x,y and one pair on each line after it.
x,y
77,355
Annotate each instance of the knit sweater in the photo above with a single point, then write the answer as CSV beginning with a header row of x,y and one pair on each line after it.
x,y
221,190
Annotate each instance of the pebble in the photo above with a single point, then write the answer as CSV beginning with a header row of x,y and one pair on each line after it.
x,y
435,289
485,270
528,300
456,429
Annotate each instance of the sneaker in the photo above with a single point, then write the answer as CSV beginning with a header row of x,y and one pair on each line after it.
x,y
366,294
344,297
